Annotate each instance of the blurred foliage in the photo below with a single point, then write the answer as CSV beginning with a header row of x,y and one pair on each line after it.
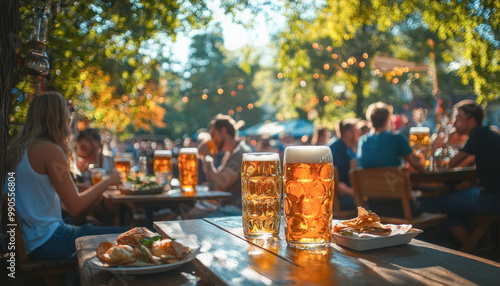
x,y
103,51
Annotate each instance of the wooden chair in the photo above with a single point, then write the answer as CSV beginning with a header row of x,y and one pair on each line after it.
x,y
338,213
482,225
47,272
390,183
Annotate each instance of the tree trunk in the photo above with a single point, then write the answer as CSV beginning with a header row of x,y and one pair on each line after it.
x,y
358,90
9,21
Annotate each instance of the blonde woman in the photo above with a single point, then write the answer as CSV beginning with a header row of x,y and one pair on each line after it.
x,y
44,185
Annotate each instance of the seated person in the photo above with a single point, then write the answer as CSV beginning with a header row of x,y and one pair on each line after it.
x,y
44,185
89,149
382,148
226,177
343,155
484,144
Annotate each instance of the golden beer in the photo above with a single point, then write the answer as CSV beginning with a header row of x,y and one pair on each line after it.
x,y
212,146
261,194
123,164
188,168
162,161
97,175
420,142
308,196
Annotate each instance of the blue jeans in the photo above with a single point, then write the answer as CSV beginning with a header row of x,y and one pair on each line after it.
x,y
61,245
461,205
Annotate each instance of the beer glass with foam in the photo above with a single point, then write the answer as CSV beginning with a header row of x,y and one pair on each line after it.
x,y
308,196
162,166
420,142
188,169
261,194
123,162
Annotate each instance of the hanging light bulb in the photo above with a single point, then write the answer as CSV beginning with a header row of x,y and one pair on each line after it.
x,y
36,61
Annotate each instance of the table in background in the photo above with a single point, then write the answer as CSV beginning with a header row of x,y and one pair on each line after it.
x,y
175,199
227,258
448,178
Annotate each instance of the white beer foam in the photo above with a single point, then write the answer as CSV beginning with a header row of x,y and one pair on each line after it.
x,y
420,130
163,153
262,156
191,150
308,154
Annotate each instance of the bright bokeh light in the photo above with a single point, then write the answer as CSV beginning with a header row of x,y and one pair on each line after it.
x,y
204,96
250,106
279,75
220,91
240,86
230,112
233,93
239,109
185,99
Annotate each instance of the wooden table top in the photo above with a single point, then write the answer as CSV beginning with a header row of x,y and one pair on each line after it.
x,y
453,174
227,258
175,195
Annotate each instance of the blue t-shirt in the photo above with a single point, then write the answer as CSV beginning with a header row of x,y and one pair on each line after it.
x,y
384,149
342,156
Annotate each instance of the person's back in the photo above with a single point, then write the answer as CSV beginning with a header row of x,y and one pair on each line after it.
x,y
382,149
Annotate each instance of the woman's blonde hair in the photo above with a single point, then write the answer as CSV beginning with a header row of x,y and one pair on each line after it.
x,y
48,119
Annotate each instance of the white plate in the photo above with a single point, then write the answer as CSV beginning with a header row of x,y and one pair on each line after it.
x,y
94,262
367,243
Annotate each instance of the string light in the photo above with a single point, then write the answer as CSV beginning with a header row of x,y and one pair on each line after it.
x,y
239,109
230,112
326,66
362,64
185,99
326,98
365,56
220,91
240,86
315,45
279,75
250,106
329,48
316,76
204,96
298,96
335,56
395,80
233,93
344,65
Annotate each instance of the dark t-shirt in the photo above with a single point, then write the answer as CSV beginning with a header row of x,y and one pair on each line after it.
x,y
341,160
485,145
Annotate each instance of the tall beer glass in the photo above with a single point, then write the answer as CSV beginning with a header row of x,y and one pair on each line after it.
x,y
188,168
123,162
261,194
420,142
308,196
162,166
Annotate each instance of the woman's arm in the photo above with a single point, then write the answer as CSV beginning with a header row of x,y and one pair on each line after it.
x,y
59,174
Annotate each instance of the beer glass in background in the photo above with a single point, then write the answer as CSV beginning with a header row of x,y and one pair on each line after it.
x,y
162,166
188,168
308,196
123,162
261,194
212,146
97,175
420,142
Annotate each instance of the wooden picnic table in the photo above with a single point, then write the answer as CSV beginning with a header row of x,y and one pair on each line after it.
x,y
447,178
175,199
228,258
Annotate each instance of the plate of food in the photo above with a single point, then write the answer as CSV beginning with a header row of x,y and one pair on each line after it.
x,y
366,232
140,251
141,188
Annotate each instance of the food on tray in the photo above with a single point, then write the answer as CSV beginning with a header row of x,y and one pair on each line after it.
x,y
367,222
140,247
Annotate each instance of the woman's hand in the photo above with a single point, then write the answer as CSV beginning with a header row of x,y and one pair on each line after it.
x,y
114,178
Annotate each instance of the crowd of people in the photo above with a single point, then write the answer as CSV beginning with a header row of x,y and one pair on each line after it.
x,y
47,167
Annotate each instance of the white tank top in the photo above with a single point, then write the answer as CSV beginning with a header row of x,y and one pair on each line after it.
x,y
38,206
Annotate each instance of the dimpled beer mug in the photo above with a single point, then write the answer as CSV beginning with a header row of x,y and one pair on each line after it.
x,y
420,142
261,194
162,166
308,196
188,169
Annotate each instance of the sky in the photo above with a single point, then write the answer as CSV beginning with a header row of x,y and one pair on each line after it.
x,y
235,36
